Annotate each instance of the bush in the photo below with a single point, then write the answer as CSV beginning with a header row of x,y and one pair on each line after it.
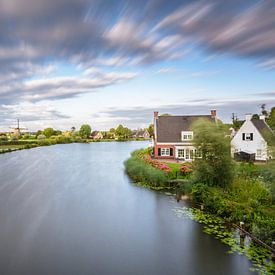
x,y
41,137
143,172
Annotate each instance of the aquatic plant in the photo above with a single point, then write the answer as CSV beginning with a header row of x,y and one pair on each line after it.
x,y
216,226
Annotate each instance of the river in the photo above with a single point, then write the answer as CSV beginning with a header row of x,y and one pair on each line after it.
x,y
71,209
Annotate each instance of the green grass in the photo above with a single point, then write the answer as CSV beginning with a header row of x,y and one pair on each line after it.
x,y
174,166
5,147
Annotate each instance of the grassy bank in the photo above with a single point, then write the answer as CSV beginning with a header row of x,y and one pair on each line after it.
x,y
143,173
249,198
14,145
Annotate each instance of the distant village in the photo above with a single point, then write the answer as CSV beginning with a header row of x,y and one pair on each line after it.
x,y
171,135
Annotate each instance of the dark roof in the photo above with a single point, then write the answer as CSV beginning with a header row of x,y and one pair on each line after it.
x,y
262,127
169,128
94,133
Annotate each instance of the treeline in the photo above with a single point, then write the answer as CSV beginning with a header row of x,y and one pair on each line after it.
x,y
269,117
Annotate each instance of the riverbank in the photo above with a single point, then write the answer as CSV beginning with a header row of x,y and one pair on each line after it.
x,y
15,145
250,198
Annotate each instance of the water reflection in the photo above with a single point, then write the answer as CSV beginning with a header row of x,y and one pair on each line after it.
x,y
70,209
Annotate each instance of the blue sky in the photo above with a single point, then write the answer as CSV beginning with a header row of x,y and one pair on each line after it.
x,y
65,63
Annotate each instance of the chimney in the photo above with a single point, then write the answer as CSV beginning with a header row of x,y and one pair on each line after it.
x,y
213,113
248,117
262,117
156,114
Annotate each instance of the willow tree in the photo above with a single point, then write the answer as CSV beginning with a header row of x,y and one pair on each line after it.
x,y
215,166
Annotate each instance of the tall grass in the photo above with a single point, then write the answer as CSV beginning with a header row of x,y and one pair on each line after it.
x,y
143,172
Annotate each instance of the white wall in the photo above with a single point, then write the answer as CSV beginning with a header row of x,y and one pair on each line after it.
x,y
258,143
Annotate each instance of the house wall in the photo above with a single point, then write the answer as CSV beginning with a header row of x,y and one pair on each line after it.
x,y
258,143
156,151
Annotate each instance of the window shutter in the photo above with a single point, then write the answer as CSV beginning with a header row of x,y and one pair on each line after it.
x,y
171,152
251,136
243,136
159,152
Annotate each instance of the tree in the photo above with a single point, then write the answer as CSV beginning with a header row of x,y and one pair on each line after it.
x,y
123,132
48,132
215,167
85,131
264,111
151,130
255,116
271,119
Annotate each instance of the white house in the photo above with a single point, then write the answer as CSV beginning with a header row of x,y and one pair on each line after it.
x,y
251,138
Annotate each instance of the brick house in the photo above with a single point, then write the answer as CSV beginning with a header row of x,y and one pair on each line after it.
x,y
173,136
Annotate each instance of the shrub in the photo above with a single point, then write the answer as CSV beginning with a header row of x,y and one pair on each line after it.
x,y
141,171
41,137
186,169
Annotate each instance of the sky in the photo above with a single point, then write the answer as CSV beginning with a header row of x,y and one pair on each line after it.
x,y
64,63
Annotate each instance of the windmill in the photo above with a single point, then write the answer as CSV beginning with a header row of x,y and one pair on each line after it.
x,y
17,130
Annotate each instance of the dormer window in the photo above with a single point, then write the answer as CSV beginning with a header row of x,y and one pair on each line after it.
x,y
186,135
248,136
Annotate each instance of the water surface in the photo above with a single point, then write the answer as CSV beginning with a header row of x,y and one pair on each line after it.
x,y
70,209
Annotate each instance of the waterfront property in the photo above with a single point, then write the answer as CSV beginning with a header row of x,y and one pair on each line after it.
x,y
96,135
141,133
252,139
173,136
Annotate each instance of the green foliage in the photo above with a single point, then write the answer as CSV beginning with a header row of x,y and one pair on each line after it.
x,y
215,167
85,131
271,119
122,132
41,137
245,199
48,132
237,124
143,172
217,227
151,130
3,138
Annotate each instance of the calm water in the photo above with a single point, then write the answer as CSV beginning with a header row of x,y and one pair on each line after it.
x,y
70,209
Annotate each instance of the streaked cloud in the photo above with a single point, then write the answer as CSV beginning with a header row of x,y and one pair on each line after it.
x,y
109,43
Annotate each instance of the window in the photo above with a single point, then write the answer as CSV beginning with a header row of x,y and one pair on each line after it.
x,y
259,153
165,151
248,136
187,154
191,154
186,135
180,153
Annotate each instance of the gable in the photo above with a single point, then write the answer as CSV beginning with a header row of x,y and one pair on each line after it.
x,y
248,128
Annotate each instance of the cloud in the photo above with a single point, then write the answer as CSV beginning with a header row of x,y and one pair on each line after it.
x,y
29,113
227,27
142,116
36,34
53,88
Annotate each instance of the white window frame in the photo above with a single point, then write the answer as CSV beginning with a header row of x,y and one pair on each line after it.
x,y
259,153
186,135
165,152
183,153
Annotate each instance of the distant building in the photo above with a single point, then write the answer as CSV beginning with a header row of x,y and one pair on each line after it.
x,y
96,135
173,136
252,139
141,133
